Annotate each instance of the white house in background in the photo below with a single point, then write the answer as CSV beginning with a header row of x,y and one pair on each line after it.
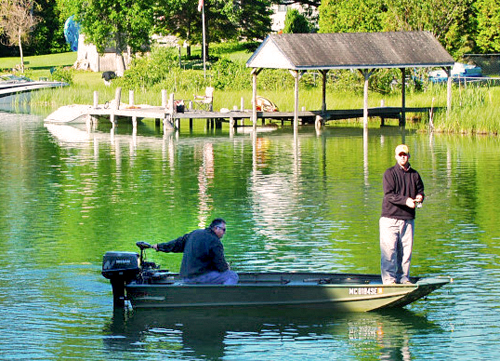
x,y
279,15
89,59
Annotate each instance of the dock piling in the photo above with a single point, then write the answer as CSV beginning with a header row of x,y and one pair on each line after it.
x,y
131,99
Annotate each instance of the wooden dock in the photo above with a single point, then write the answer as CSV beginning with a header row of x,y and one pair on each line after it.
x,y
172,118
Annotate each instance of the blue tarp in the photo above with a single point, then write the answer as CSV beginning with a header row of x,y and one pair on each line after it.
x,y
71,32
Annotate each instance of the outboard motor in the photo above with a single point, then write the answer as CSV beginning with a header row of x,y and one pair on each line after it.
x,y
120,268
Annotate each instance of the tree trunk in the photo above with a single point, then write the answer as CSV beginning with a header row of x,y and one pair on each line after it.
x,y
120,64
21,51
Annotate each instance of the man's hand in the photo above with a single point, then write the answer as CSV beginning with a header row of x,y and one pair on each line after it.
x,y
419,198
155,247
410,202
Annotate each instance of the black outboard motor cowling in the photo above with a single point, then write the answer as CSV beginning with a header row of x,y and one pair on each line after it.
x,y
120,268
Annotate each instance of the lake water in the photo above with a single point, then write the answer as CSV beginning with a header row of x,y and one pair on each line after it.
x,y
306,202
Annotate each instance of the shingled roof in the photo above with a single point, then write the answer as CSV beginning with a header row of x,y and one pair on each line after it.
x,y
350,51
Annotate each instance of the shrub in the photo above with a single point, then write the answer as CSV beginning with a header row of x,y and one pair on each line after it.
x,y
62,74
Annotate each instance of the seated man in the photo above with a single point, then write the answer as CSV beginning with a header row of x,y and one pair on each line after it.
x,y
203,260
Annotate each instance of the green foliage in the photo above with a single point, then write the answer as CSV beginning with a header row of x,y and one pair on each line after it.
x,y
230,75
474,111
295,23
48,36
254,19
341,16
150,70
453,22
275,80
488,19
225,20
62,74
117,23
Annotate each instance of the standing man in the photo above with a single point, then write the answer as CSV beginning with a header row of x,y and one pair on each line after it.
x,y
403,192
203,260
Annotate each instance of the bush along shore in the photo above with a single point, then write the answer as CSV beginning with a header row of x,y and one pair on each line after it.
x,y
474,107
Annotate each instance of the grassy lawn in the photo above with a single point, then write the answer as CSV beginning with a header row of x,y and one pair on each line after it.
x,y
38,66
474,108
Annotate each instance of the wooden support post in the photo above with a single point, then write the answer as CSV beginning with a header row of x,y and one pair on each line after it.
x,y
382,118
164,99
255,72
171,104
448,95
118,96
402,121
323,94
366,75
131,99
296,75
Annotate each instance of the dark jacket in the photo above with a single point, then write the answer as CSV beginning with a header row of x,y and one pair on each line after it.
x,y
203,252
399,185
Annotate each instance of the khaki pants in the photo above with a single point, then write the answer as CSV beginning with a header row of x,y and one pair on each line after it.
x,y
396,244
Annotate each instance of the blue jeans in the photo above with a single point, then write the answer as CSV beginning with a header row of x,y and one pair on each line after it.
x,y
396,244
215,278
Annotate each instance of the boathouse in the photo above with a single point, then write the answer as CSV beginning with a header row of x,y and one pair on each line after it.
x,y
365,52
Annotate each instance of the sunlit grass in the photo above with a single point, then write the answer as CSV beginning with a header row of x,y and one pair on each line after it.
x,y
474,108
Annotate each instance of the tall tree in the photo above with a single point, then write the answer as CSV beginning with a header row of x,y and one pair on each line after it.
x,y
488,19
295,22
121,24
48,36
451,21
180,18
17,21
342,16
224,19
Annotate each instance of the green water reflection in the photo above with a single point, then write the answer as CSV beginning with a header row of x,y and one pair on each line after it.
x,y
305,202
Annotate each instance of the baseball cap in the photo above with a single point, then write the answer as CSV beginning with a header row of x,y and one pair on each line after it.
x,y
402,148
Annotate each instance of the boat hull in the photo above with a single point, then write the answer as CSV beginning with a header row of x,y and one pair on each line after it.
x,y
344,292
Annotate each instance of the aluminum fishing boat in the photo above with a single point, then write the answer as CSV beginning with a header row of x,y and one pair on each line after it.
x,y
145,285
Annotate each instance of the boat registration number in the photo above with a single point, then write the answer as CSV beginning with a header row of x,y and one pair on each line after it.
x,y
365,290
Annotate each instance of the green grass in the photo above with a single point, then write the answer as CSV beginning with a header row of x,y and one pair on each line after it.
x,y
475,109
38,66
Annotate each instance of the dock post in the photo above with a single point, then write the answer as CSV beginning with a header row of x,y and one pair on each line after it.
x,y
131,99
131,102
382,119
96,99
118,95
402,121
164,98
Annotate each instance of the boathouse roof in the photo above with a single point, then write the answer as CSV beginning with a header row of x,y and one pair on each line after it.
x,y
405,49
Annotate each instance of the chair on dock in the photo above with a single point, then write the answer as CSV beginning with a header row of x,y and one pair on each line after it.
x,y
205,102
